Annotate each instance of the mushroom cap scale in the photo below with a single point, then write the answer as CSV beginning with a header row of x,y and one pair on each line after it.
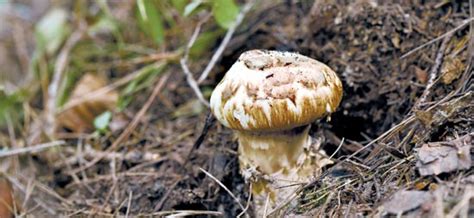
x,y
272,90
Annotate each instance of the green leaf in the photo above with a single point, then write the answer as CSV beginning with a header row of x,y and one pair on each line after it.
x,y
191,7
52,30
179,5
101,122
105,24
225,12
11,105
204,42
150,20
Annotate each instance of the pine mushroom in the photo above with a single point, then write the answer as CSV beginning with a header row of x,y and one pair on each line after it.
x,y
270,98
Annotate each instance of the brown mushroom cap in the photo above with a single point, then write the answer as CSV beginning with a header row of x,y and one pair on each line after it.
x,y
272,90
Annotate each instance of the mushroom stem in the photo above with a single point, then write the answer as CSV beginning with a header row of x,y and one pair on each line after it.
x,y
275,161
274,152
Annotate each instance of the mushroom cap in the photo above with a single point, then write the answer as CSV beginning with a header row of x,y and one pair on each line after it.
x,y
273,90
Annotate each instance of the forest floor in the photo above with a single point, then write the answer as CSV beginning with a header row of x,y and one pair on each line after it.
x,y
401,138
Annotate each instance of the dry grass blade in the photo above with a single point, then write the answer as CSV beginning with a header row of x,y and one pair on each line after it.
x,y
129,204
223,186
337,150
192,83
434,71
184,66
462,25
31,149
181,213
248,202
59,67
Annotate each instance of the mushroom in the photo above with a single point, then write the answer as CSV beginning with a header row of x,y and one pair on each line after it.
x,y
270,99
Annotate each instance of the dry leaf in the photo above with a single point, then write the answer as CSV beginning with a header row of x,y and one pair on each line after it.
x,y
435,117
452,69
421,75
89,99
441,157
6,199
404,201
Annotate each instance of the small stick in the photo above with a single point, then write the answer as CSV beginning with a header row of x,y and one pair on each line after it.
x,y
210,120
31,149
183,213
338,147
163,199
189,76
463,24
223,186
192,83
248,202
266,206
433,72
130,195
59,68
240,17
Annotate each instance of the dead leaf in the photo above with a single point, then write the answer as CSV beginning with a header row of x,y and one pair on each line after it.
x,y
433,118
441,157
396,41
89,99
404,201
6,199
421,75
452,69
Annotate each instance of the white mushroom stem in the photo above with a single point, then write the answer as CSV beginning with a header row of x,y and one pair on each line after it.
x,y
275,161
272,152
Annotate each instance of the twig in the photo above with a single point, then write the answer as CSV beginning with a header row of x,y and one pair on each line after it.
x,y
31,149
41,203
132,125
462,25
192,82
471,32
433,72
59,69
210,120
223,186
240,17
338,147
289,199
189,76
184,213
91,153
170,189
130,195
248,202
265,209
